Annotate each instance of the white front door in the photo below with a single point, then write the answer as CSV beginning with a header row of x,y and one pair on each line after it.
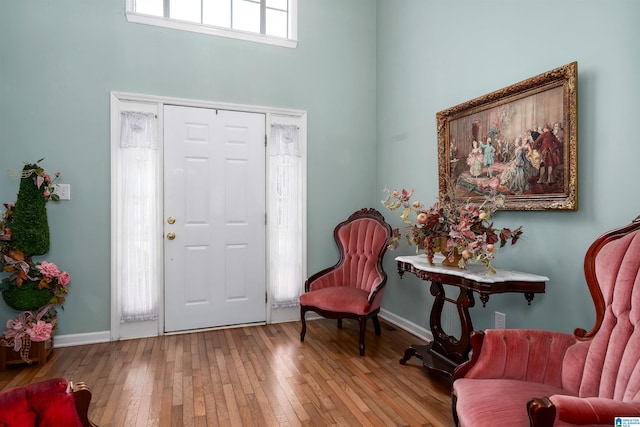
x,y
214,218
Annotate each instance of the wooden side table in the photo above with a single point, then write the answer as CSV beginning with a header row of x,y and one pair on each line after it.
x,y
38,353
442,355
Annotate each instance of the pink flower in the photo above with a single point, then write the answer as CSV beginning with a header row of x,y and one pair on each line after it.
x,y
63,278
48,269
58,174
46,193
41,331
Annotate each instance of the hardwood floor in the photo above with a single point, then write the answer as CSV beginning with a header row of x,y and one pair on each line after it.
x,y
252,376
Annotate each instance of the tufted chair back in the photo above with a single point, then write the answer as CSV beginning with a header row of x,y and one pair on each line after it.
x,y
354,286
362,243
610,360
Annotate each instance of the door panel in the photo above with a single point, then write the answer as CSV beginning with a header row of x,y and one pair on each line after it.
x,y
215,190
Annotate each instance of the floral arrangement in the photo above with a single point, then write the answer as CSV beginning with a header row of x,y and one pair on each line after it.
x,y
33,287
28,327
461,230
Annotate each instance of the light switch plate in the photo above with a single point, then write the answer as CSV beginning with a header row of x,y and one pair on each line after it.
x,y
63,191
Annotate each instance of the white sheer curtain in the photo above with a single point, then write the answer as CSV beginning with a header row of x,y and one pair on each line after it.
x,y
285,240
138,239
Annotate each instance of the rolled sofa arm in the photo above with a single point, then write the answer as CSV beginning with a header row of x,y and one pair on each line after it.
x,y
577,411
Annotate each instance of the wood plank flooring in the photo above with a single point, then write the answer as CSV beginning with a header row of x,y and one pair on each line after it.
x,y
252,376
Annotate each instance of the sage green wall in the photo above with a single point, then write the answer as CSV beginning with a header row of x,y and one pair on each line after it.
x,y
434,54
60,59
365,71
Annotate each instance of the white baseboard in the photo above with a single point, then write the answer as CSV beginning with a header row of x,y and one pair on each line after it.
x,y
403,323
81,339
105,336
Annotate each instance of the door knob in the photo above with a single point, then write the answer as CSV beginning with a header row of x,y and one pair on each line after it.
x,y
171,220
171,236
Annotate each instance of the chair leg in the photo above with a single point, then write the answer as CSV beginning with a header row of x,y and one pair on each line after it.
x,y
304,324
363,326
339,323
376,325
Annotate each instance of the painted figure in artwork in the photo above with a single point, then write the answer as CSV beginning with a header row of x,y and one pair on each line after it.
x,y
558,131
514,176
474,160
489,152
549,147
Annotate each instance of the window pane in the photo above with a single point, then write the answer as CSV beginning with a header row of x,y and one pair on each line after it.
x,y
185,10
217,12
149,7
277,4
276,23
246,15
251,18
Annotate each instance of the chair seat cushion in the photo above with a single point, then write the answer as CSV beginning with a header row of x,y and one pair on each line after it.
x,y
341,299
497,402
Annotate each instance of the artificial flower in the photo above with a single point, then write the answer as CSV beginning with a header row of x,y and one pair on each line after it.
x,y
40,331
458,229
28,325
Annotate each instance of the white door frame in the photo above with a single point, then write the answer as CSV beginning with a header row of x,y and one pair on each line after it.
x,y
124,100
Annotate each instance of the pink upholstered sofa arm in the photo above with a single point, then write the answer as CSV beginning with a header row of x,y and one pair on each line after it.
x,y
577,411
519,354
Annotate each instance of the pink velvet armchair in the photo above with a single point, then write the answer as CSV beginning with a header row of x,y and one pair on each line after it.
x,y
353,287
543,378
55,402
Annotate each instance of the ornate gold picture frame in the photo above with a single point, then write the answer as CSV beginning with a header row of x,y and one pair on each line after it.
x,y
521,141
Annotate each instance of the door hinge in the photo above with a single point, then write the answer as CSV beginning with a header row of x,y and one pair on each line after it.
x,y
266,299
265,139
265,219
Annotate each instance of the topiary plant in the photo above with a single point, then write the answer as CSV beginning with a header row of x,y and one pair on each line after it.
x,y
30,228
34,288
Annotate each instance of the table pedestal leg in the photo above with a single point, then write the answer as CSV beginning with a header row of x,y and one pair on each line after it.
x,y
442,355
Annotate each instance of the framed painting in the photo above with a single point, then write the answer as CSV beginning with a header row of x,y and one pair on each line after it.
x,y
521,141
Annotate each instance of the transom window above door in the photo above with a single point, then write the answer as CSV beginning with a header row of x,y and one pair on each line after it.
x,y
265,21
